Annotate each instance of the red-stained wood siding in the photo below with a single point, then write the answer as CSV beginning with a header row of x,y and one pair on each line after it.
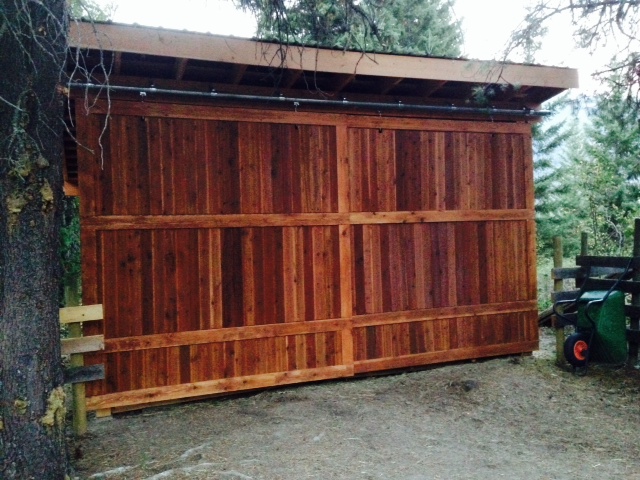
x,y
234,250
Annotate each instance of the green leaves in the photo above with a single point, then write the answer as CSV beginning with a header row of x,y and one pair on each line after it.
x,y
70,243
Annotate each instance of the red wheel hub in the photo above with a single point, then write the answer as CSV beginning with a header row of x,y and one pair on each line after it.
x,y
580,350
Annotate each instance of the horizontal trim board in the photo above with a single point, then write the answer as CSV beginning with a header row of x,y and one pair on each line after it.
x,y
580,272
626,286
204,87
564,295
381,364
156,222
238,114
84,374
92,343
211,387
217,48
196,337
616,262
351,106
84,313
442,313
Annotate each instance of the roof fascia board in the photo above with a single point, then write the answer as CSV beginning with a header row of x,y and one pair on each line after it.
x,y
216,48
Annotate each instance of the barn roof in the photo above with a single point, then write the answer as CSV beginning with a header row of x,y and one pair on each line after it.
x,y
137,56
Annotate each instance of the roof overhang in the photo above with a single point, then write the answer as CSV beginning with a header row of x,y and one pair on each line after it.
x,y
143,56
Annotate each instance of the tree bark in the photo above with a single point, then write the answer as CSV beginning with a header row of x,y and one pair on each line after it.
x,y
32,417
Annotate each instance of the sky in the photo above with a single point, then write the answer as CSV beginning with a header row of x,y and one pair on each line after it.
x,y
486,24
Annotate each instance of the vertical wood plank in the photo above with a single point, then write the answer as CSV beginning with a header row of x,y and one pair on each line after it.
x,y
187,280
345,233
289,274
250,267
300,276
529,187
344,168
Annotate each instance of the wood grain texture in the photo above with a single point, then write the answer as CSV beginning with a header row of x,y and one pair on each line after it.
x,y
163,222
235,249
83,313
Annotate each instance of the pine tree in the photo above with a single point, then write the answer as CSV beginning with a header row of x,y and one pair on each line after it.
x,y
32,408
611,169
421,27
557,204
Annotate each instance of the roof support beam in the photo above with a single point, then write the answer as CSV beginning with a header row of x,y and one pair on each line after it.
x,y
389,84
342,82
238,73
290,77
117,63
180,68
432,88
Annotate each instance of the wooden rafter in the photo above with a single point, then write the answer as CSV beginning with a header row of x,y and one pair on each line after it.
x,y
290,78
342,82
117,63
180,68
431,88
237,73
389,84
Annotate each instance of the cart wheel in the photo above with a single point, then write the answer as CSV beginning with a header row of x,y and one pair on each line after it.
x,y
576,348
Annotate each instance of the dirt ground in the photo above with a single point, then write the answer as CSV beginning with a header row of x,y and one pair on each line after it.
x,y
515,418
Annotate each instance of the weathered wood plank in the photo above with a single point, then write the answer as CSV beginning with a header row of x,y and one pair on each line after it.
x,y
84,313
92,343
580,272
84,374
565,295
626,286
615,262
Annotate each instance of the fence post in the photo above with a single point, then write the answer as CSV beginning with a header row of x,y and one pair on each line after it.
x,y
78,395
634,322
558,287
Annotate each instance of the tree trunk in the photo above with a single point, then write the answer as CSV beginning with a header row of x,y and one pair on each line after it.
x,y
32,54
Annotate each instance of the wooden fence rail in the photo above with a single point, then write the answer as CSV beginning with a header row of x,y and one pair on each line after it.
x,y
75,345
599,266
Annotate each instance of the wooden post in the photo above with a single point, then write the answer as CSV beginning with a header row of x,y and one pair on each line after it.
x,y
558,287
634,322
72,299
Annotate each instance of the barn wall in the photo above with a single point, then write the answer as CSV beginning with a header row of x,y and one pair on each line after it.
x,y
236,249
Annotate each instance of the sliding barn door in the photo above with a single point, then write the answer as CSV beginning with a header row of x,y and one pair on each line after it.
x,y
236,249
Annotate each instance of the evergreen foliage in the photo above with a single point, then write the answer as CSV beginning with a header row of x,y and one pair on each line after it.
x,y
595,23
593,183
91,10
70,246
421,27
610,170
555,203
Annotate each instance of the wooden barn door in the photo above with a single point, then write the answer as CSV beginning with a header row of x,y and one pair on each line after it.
x,y
236,249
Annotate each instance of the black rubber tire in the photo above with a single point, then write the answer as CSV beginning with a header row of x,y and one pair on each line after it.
x,y
572,351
